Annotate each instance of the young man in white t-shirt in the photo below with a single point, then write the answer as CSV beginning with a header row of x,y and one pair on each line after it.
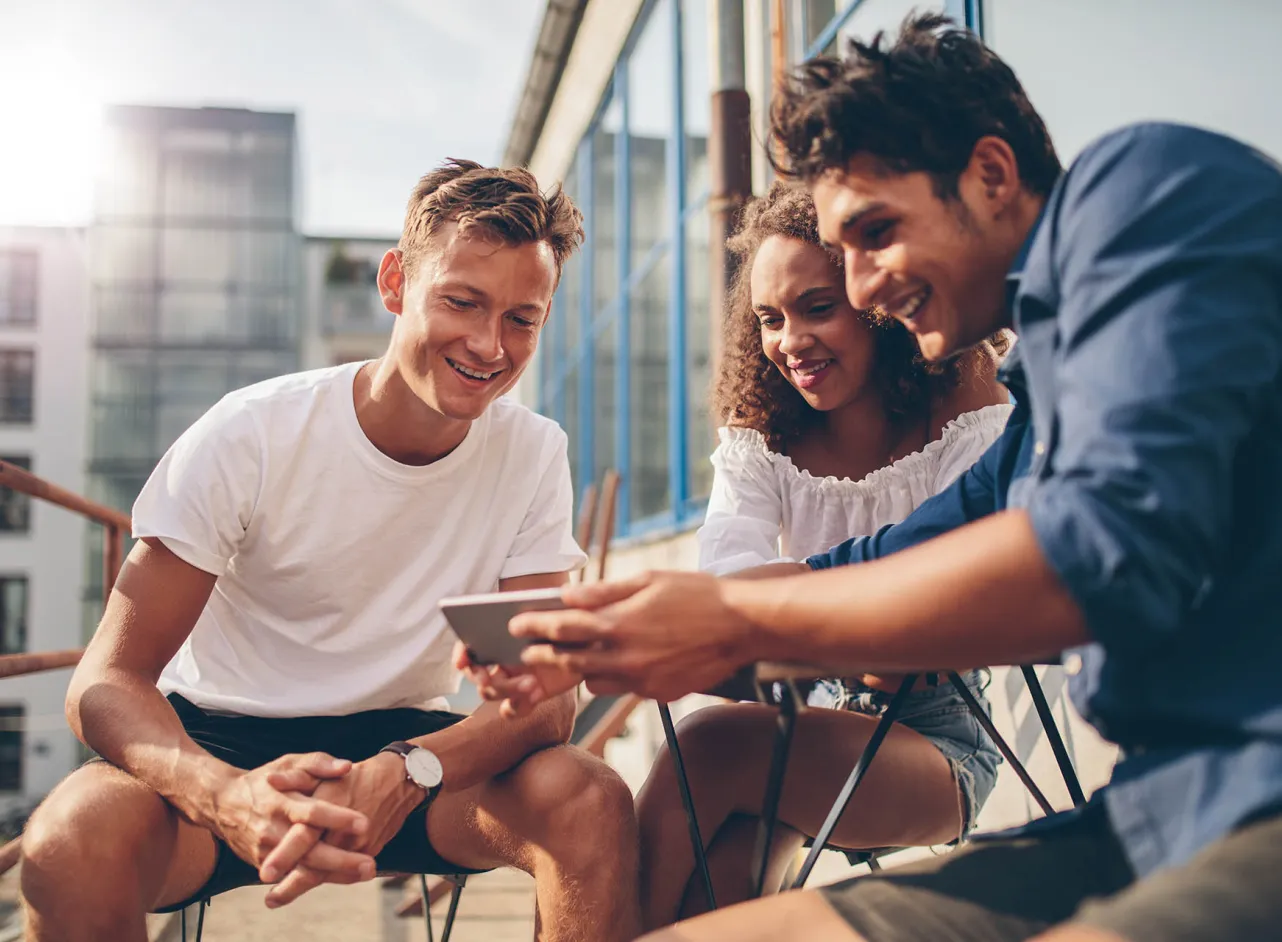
x,y
266,686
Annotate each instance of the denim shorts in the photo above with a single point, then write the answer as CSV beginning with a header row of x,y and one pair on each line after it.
x,y
941,715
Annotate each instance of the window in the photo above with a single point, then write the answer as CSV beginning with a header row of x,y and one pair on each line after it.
x,y
626,362
12,726
15,507
13,614
616,376
17,385
18,273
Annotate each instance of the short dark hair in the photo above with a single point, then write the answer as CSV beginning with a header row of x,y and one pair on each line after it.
x,y
919,104
506,203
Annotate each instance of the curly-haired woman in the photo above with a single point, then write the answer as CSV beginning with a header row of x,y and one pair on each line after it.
x,y
835,427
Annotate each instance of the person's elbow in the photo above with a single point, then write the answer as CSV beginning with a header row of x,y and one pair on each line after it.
x,y
1135,568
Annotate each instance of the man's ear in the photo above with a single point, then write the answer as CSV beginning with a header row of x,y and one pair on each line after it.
x,y
992,176
391,281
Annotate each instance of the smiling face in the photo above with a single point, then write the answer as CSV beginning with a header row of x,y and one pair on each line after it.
x,y
469,317
938,266
809,331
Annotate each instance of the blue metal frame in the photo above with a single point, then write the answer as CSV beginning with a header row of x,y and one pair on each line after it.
x,y
587,372
623,306
678,463
830,31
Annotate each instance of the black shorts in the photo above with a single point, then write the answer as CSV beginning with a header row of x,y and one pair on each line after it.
x,y
1009,890
248,742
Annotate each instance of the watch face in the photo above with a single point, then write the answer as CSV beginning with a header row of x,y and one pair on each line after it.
x,y
423,767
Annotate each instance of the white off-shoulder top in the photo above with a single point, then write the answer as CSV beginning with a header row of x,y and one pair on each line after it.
x,y
763,508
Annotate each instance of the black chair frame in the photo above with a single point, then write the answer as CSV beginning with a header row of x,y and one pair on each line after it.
x,y
790,705
459,880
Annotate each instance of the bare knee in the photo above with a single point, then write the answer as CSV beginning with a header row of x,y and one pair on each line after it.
x,y
586,808
88,835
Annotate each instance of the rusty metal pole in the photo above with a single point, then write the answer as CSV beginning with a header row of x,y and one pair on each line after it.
x,y
113,547
729,149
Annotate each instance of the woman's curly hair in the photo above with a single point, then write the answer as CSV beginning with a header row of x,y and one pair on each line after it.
x,y
751,391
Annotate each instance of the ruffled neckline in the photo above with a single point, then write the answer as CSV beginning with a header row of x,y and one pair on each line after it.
x,y
988,416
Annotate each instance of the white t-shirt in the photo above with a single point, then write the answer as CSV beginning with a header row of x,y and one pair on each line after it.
x,y
331,557
764,509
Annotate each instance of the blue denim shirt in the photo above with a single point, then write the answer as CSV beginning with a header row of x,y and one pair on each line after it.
x,y
1146,448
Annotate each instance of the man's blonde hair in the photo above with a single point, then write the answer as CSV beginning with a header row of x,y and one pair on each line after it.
x,y
504,204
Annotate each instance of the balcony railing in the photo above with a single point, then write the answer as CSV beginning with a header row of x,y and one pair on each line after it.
x,y
114,527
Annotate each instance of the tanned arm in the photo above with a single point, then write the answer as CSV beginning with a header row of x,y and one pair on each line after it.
x,y
982,594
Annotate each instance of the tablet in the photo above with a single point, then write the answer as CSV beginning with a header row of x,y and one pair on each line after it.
x,y
480,621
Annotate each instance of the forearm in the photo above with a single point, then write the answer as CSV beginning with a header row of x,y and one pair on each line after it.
x,y
983,594
126,720
486,744
770,571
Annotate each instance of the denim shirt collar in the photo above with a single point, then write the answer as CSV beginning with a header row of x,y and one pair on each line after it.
x,y
1011,372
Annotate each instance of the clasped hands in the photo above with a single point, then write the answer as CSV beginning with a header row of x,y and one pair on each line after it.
x,y
304,820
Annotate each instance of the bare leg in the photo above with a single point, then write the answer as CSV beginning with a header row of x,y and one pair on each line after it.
x,y
908,797
1078,934
101,852
564,817
802,915
728,856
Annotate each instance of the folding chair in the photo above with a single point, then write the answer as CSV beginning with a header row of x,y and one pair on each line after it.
x,y
768,675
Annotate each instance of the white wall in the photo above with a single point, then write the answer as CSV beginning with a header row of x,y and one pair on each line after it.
x,y
1092,65
51,554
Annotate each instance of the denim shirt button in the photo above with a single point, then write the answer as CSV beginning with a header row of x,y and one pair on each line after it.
x,y
1072,664
1039,449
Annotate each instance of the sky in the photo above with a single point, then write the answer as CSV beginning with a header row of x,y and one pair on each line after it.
x,y
383,89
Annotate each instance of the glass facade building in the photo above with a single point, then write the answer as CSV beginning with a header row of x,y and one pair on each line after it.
x,y
626,360
196,272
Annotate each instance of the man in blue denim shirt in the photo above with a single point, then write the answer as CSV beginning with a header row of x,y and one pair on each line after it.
x,y
1131,512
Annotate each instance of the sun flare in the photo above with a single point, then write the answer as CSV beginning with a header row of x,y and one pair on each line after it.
x,y
51,127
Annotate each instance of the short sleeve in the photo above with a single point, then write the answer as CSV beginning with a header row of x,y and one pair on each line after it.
x,y
967,438
745,509
200,498
545,541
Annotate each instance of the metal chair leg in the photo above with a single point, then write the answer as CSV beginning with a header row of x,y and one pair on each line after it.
x,y
427,905
852,783
692,818
785,726
986,721
459,880
200,921
182,922
1053,735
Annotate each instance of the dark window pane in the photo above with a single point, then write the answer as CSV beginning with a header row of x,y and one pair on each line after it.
x,y
13,614
649,394
12,725
19,270
17,385
15,507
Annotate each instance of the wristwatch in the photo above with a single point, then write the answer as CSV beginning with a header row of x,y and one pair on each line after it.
x,y
422,767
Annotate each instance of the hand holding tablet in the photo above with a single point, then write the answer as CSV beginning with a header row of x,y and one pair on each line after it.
x,y
480,621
